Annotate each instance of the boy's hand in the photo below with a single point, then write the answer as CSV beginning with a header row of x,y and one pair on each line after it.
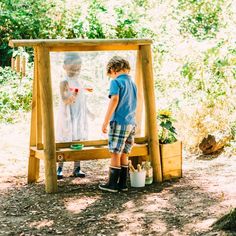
x,y
104,127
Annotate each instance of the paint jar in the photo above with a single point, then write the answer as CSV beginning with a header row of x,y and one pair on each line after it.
x,y
149,172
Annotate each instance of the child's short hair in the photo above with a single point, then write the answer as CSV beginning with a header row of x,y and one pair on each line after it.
x,y
117,64
72,58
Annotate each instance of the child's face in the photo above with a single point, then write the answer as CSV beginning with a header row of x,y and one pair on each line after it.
x,y
72,69
113,74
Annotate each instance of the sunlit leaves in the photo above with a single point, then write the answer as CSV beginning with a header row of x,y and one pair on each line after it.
x,y
201,19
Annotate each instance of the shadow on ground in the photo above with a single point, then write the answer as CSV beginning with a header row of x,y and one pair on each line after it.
x,y
79,208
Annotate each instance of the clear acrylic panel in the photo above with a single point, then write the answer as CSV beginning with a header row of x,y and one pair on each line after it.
x,y
93,76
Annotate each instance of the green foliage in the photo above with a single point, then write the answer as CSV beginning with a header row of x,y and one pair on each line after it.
x,y
167,132
95,27
29,19
233,130
15,94
211,73
202,18
188,71
99,23
125,24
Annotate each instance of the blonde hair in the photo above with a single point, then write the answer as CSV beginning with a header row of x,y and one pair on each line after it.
x,y
117,64
72,58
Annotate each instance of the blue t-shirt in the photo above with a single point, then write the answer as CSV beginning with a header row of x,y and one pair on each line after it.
x,y
127,91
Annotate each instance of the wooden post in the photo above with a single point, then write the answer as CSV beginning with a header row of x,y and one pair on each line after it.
x,y
23,66
148,84
13,63
33,164
39,128
48,120
139,84
18,63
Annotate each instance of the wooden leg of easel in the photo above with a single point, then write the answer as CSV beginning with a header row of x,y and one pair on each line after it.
x,y
33,168
48,119
151,123
140,103
33,163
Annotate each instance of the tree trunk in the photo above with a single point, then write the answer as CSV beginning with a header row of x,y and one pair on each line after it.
x,y
214,142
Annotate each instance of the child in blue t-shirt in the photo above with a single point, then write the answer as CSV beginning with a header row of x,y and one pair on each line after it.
x,y
121,116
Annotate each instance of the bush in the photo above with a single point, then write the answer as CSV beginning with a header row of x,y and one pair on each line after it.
x,y
29,19
50,19
207,101
202,20
15,94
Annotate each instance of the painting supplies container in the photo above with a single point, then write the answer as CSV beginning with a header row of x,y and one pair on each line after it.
x,y
149,172
137,178
77,146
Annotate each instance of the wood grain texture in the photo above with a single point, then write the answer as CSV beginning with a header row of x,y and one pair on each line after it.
x,y
48,120
151,123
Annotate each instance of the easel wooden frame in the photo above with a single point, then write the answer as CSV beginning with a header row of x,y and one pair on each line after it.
x,y
42,140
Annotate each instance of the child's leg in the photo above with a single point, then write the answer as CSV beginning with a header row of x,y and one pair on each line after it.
x,y
60,164
122,184
76,164
116,143
77,171
129,142
124,159
115,159
59,170
114,174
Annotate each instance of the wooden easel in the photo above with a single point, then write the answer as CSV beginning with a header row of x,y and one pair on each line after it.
x,y
42,139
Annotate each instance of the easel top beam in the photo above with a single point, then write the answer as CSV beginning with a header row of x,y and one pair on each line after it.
x,y
71,44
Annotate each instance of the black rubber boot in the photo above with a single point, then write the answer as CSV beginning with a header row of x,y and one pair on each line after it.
x,y
122,184
59,173
111,185
78,173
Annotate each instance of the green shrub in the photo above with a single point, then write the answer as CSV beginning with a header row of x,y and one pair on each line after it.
x,y
28,19
51,19
15,94
203,18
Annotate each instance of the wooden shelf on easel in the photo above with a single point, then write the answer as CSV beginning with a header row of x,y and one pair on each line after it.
x,y
93,149
89,153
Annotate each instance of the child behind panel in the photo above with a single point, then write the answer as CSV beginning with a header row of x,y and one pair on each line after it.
x,y
73,113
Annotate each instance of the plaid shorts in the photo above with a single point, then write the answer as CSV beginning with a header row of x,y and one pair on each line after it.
x,y
121,137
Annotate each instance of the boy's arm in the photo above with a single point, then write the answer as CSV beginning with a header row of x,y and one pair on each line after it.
x,y
110,110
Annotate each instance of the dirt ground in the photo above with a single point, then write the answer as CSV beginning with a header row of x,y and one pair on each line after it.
x,y
187,206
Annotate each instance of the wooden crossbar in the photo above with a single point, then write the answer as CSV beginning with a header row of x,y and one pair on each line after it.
x,y
89,153
87,143
77,42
